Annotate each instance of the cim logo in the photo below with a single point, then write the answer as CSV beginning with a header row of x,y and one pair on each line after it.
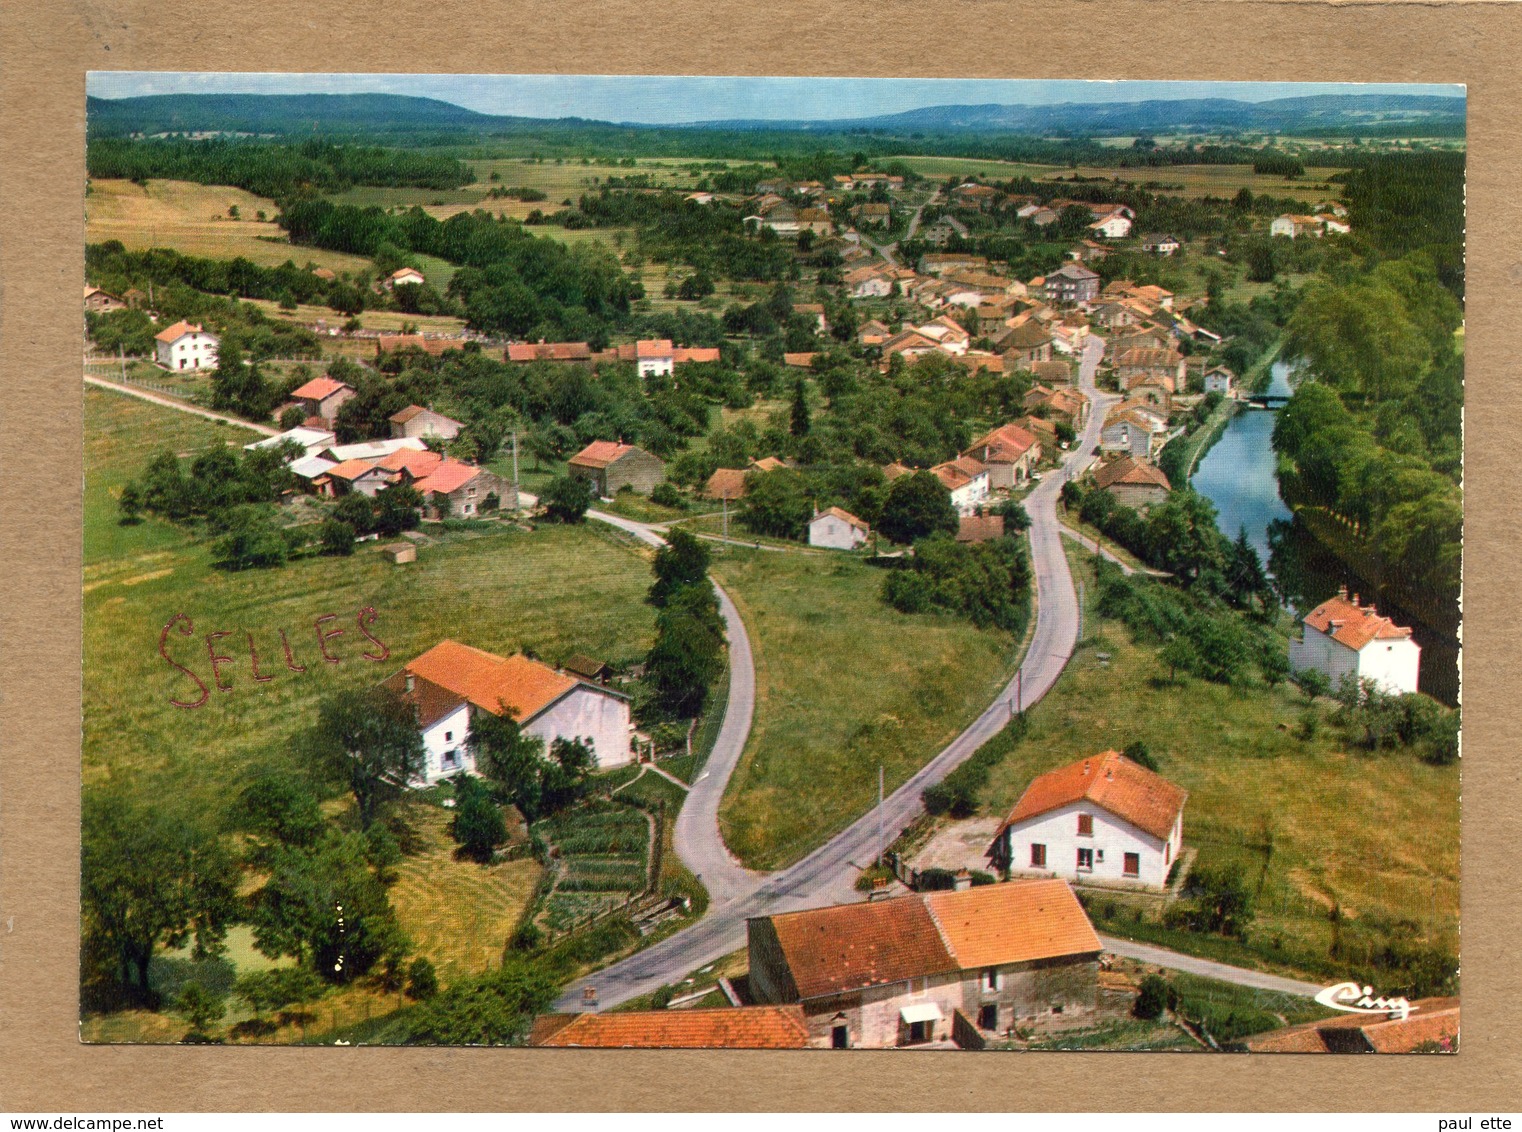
x,y
1356,999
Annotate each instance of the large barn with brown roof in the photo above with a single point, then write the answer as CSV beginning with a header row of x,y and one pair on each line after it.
x,y
1101,819
610,467
899,972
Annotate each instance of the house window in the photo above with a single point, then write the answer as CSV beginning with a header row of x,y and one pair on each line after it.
x,y
988,1017
840,1036
1132,866
1038,856
448,735
1085,825
918,1032
1085,860
991,979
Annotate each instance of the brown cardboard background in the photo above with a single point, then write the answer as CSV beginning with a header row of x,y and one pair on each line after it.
x,y
47,47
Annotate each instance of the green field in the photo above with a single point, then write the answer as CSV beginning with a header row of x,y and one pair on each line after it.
x,y
843,683
557,590
1376,835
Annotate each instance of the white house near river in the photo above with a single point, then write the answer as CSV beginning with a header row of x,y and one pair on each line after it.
x,y
1344,638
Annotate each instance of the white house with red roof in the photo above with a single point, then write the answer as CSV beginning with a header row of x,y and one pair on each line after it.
x,y
1103,819
451,683
185,345
966,480
837,529
404,277
1345,638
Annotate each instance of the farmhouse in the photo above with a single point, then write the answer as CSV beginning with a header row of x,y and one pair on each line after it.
x,y
543,351
98,301
362,476
1132,482
1116,226
1345,638
1072,283
837,529
322,397
1024,344
185,345
434,347
610,467
404,277
1297,226
1102,819
1008,454
967,481
1160,243
942,232
417,421
1135,428
464,490
915,969
724,1027
451,683
1220,380
868,282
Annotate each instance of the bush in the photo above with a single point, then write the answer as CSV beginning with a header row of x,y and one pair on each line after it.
x,y
667,495
1139,754
980,878
936,880
422,980
337,538
566,499
1152,999
661,998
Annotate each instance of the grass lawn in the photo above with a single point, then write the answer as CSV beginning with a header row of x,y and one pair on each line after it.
x,y
843,683
192,219
1197,180
307,314
1310,822
557,590
457,912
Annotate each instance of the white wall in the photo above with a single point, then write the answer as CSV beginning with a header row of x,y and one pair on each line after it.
x,y
1319,651
837,534
967,497
1392,664
592,714
1114,837
655,366
445,736
189,351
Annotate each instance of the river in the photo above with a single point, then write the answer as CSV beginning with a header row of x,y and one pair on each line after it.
x,y
1238,475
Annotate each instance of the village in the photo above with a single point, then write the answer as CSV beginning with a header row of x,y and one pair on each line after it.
x,y
892,426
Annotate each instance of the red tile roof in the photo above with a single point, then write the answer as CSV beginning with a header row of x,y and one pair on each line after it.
x,y
351,469
1005,444
1113,783
767,464
1015,922
1433,1021
654,348
319,389
601,453
725,483
853,946
447,476
1353,625
416,464
1127,470
486,680
980,528
178,330
694,354
798,361
845,517
737,1027
549,351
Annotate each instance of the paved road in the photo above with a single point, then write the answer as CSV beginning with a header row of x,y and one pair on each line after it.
x,y
827,875
696,838
173,403
1241,976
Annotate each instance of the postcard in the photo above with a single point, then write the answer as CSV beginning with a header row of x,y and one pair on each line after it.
x,y
772,563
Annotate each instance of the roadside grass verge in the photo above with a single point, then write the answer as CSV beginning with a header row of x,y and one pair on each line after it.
x,y
844,683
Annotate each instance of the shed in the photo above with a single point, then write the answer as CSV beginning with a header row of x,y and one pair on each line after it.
x,y
400,552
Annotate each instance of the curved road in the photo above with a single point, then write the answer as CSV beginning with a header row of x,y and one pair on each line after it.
x,y
827,875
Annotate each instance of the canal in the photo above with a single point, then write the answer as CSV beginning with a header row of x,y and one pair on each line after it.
x,y
1238,476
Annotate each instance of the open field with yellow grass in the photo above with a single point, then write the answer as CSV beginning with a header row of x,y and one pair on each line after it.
x,y
192,219
390,322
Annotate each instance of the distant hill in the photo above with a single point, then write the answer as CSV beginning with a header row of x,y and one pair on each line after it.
x,y
1281,115
279,114
379,114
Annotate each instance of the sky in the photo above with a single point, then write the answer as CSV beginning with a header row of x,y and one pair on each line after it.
x,y
659,100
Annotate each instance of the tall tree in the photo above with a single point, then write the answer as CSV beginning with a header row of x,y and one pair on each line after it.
x,y
916,506
369,740
798,421
683,561
509,757
151,876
